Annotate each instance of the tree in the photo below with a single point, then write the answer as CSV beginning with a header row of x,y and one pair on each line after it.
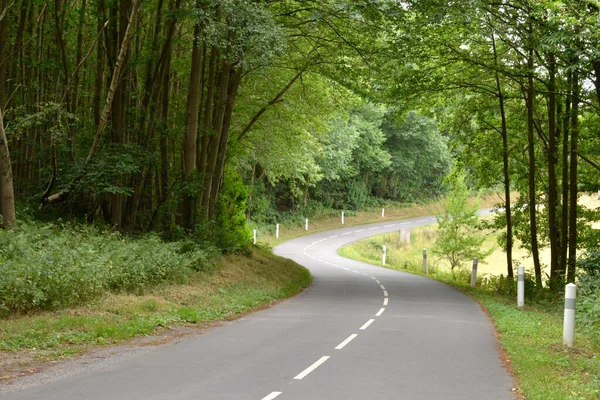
x,y
458,238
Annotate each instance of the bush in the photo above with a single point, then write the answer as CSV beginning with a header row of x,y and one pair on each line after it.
x,y
45,267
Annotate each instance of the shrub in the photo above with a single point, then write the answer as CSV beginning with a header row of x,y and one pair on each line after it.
x,y
45,267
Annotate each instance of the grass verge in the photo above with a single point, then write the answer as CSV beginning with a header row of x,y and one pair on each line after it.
x,y
531,337
238,284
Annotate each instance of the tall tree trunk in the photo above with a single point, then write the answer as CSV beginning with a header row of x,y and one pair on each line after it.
x,y
234,82
553,203
99,78
573,194
213,150
532,170
4,23
191,134
7,193
505,167
564,218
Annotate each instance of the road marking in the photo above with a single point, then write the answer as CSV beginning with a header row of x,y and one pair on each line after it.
x,y
272,396
385,301
420,221
313,243
389,226
380,312
366,325
364,274
347,233
360,230
356,272
382,287
345,342
347,269
376,280
328,263
311,368
322,240
374,277
334,236
404,223
385,293
377,227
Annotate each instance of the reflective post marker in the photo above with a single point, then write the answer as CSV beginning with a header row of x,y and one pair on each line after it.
x,y
255,236
382,212
474,272
383,256
306,227
521,287
425,265
277,232
569,325
342,218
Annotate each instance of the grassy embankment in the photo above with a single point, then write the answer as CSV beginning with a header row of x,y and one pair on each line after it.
x,y
532,337
109,289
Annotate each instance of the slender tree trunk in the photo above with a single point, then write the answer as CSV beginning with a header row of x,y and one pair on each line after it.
x,y
99,79
532,171
553,202
7,193
573,193
505,167
213,150
222,151
564,218
208,110
191,135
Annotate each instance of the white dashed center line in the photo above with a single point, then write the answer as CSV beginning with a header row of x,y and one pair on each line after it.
x,y
385,301
345,342
380,312
271,396
310,369
377,227
334,236
389,226
366,325
385,293
382,287
347,233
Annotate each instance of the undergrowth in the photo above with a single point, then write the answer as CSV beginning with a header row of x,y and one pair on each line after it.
x,y
48,267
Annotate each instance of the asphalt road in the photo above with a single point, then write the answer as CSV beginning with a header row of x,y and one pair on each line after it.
x,y
359,332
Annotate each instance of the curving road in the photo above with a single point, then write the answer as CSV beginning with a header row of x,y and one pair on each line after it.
x,y
359,332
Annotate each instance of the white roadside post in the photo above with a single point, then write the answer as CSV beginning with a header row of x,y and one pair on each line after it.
x,y
569,326
277,231
383,256
255,236
382,212
521,287
425,264
474,272
306,226
342,218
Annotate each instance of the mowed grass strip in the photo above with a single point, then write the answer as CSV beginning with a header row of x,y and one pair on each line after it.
x,y
531,337
241,283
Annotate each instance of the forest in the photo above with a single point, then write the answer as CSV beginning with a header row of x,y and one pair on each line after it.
x,y
189,118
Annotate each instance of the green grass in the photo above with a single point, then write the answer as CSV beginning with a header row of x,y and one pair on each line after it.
x,y
531,337
240,284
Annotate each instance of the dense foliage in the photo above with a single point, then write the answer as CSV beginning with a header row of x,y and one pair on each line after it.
x,y
46,267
